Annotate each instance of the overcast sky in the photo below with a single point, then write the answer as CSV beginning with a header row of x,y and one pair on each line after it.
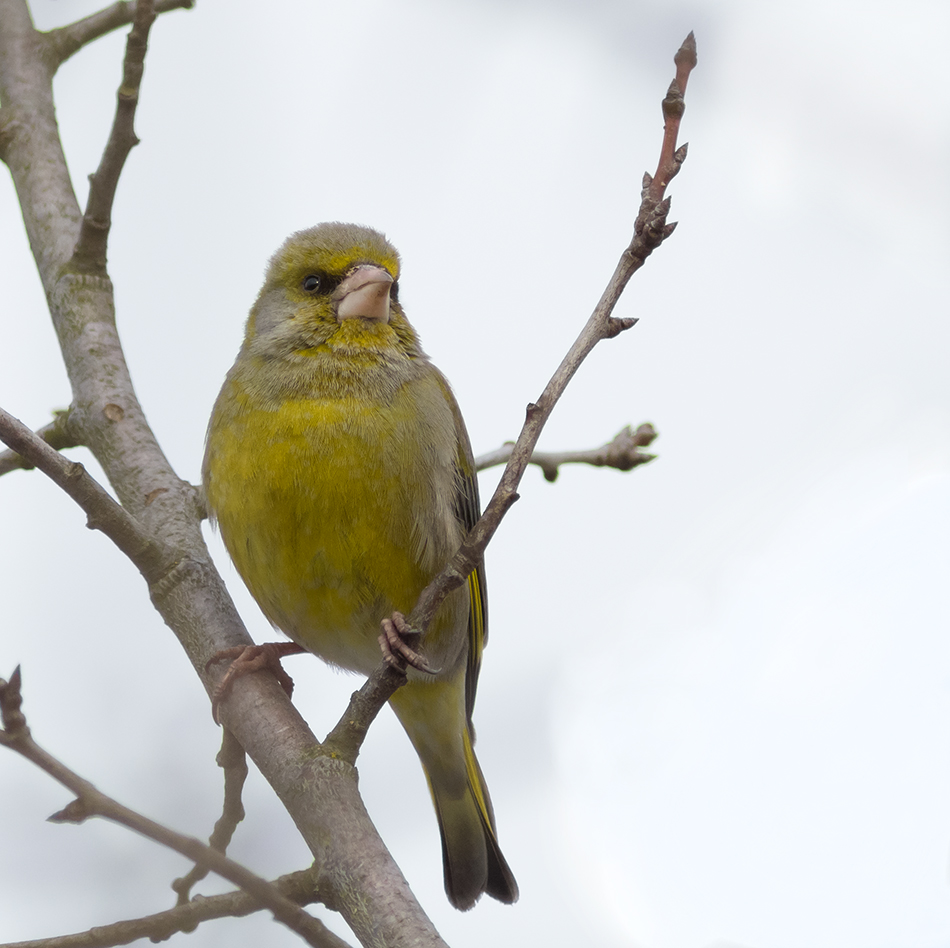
x,y
715,707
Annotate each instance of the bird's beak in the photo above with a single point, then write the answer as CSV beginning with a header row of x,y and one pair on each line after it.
x,y
365,294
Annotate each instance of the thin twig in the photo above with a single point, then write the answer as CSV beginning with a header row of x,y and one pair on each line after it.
x,y
622,453
650,230
296,886
69,39
57,434
102,512
674,106
233,761
90,253
346,739
92,802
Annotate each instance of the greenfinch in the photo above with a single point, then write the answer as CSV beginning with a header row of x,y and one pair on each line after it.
x,y
340,474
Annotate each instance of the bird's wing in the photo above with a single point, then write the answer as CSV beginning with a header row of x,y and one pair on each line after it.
x,y
467,511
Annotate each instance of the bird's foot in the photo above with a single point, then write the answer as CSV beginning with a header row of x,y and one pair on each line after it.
x,y
396,650
251,658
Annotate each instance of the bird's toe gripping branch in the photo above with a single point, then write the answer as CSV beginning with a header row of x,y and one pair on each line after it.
x,y
396,649
246,659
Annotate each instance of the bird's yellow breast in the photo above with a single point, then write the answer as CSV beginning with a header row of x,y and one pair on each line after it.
x,y
337,511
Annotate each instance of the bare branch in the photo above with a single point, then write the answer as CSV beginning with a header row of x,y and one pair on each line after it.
x,y
102,512
90,253
622,453
296,886
233,761
346,739
91,802
650,230
57,434
674,106
66,40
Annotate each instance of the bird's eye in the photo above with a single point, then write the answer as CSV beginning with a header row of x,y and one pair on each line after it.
x,y
311,283
394,291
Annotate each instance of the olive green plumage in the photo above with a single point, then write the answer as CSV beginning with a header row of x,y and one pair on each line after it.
x,y
341,476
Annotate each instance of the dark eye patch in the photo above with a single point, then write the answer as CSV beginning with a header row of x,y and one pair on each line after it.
x,y
319,283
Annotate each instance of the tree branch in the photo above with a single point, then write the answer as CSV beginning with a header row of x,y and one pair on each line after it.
x,y
674,106
622,453
92,802
346,738
66,40
650,230
90,253
296,886
233,761
102,512
57,434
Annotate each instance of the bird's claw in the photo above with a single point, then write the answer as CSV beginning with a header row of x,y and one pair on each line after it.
x,y
251,658
396,651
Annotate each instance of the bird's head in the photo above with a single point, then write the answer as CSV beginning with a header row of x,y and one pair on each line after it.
x,y
332,288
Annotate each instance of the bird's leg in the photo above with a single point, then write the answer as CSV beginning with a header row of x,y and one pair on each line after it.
x,y
396,651
251,658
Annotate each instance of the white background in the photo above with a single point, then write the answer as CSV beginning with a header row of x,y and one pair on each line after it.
x,y
715,709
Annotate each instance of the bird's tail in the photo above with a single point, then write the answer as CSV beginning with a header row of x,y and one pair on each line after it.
x,y
472,861
434,718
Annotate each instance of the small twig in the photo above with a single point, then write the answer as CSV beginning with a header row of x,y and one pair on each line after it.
x,y
102,512
69,39
57,434
346,739
90,253
650,230
674,106
622,453
233,761
91,802
296,886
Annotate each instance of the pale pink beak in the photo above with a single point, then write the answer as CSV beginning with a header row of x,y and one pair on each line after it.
x,y
364,294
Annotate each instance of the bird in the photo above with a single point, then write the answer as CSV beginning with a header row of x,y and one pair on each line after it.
x,y
340,475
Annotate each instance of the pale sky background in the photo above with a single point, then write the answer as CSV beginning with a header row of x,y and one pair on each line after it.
x,y
715,708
